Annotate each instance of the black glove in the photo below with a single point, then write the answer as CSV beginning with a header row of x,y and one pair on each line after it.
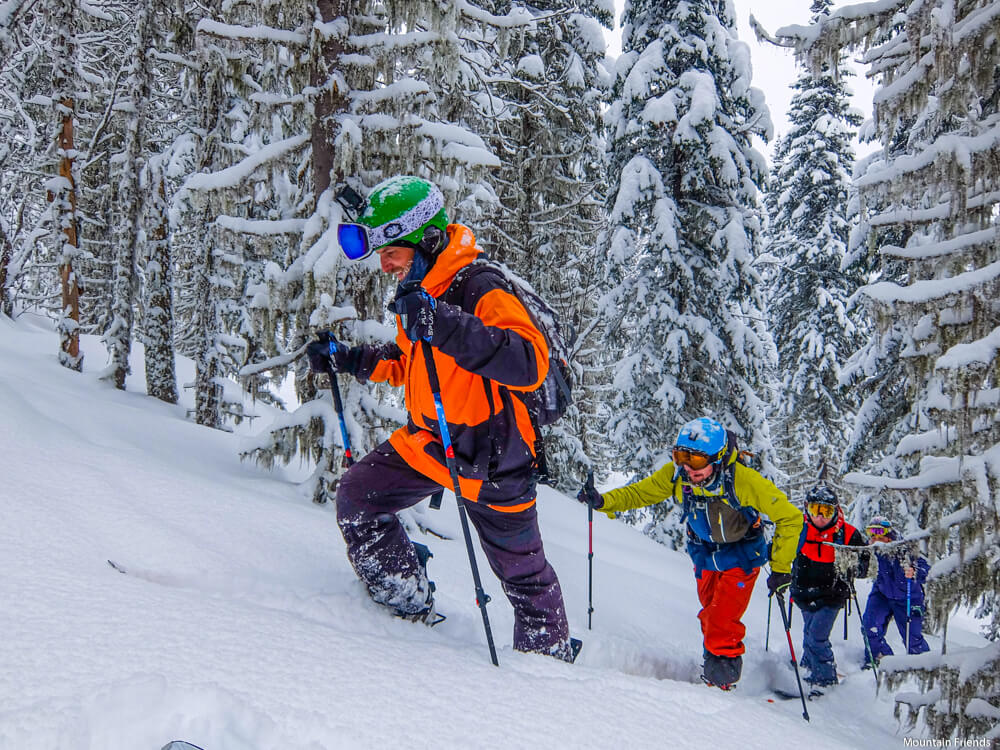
x,y
588,494
416,309
777,583
328,355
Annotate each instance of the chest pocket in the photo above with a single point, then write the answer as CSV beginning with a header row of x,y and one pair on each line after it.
x,y
717,520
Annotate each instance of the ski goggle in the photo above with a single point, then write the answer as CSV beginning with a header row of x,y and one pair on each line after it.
x,y
824,510
691,459
878,529
354,240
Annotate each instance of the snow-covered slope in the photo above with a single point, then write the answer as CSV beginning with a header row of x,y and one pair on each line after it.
x,y
240,624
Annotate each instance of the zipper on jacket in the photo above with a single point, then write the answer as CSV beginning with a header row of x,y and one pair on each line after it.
x,y
722,529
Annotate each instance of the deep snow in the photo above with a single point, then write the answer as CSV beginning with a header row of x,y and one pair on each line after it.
x,y
241,625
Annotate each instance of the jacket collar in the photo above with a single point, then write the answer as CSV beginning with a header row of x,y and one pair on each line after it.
x,y
460,251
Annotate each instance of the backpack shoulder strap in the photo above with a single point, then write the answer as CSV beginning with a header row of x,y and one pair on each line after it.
x,y
687,500
729,485
458,292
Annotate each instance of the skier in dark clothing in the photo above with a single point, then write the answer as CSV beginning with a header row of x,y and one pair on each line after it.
x,y
486,349
817,588
888,597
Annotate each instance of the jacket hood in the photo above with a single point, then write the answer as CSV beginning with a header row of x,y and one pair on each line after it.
x,y
460,251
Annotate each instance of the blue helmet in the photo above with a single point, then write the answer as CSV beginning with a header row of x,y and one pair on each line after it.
x,y
705,436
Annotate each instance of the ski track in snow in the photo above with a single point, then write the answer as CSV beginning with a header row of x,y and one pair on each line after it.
x,y
240,624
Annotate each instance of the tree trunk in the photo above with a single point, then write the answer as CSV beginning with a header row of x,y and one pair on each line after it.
x,y
6,306
207,391
161,378
69,323
329,103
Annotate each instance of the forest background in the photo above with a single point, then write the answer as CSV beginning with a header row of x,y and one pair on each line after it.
x,y
167,171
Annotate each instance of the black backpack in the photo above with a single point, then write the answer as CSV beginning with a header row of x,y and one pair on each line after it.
x,y
549,402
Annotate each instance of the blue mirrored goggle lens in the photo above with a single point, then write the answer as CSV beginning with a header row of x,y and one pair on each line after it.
x,y
353,239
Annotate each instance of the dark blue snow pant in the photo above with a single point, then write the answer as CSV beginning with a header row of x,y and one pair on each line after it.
x,y
878,611
378,486
817,651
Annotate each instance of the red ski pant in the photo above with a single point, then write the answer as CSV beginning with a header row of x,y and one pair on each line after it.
x,y
724,596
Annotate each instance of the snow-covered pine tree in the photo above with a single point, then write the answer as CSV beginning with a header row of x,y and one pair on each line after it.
x,y
243,167
16,137
808,233
685,301
392,97
27,124
936,63
551,189
132,101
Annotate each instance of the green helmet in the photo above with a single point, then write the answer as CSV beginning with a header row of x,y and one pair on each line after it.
x,y
401,209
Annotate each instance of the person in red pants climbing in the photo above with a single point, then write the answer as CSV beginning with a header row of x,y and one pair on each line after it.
x,y
722,500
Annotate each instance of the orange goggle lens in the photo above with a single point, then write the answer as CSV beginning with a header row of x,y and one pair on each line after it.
x,y
691,459
821,509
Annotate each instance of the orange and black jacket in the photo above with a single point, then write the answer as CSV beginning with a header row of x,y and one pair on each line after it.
x,y
486,350
815,582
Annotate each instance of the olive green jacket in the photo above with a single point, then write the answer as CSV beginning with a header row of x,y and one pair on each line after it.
x,y
752,490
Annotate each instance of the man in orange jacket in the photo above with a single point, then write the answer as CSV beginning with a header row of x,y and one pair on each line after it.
x,y
487,351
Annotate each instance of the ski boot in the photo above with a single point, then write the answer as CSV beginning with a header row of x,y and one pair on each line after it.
x,y
722,672
427,614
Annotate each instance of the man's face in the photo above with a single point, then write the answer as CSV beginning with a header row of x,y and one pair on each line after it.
x,y
699,475
821,514
396,260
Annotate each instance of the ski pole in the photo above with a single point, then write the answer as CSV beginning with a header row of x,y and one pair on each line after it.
x,y
767,633
590,554
791,649
864,635
338,404
847,611
909,581
449,456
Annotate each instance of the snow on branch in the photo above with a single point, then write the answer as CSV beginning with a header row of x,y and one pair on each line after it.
x,y
946,247
282,360
404,88
261,227
460,144
934,471
234,175
960,356
947,148
518,17
764,36
931,289
257,33
863,16
394,42
938,471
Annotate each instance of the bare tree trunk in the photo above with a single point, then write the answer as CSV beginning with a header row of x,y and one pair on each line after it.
x,y
329,103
